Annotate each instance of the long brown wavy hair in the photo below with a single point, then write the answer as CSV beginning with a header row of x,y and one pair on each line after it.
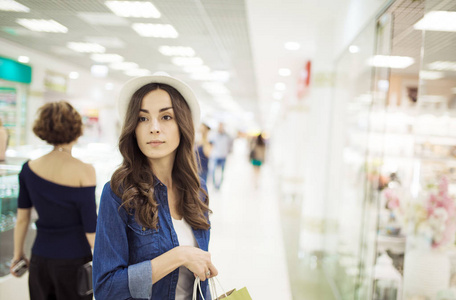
x,y
133,181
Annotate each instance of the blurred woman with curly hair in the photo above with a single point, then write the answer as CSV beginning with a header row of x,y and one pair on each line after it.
x,y
62,190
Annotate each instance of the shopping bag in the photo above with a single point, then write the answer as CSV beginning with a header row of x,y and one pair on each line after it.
x,y
242,294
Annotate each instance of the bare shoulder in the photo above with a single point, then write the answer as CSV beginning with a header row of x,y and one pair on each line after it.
x,y
88,174
84,172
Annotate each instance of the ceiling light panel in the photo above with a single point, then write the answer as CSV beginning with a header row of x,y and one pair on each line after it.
x,y
443,65
393,62
187,61
197,69
106,58
107,19
155,30
124,66
176,51
10,5
42,25
431,75
86,47
437,21
133,9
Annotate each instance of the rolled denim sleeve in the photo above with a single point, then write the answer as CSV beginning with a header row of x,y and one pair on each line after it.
x,y
113,277
139,280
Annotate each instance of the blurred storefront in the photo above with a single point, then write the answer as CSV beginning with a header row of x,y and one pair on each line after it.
x,y
390,218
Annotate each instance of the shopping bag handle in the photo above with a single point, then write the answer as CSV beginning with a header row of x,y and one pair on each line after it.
x,y
212,288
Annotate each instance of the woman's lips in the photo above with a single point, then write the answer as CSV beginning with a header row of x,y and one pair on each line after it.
x,y
155,143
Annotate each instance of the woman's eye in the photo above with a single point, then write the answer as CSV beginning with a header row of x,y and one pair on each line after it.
x,y
167,118
142,119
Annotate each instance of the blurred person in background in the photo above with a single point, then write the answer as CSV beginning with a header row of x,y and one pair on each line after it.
x,y
257,155
204,151
153,222
62,190
222,144
3,141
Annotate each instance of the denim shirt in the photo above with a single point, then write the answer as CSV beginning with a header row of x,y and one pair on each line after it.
x,y
123,251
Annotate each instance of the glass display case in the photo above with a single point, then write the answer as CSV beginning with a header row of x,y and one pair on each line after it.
x,y
13,110
393,189
9,189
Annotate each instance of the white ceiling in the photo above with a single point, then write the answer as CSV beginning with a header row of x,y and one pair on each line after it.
x,y
245,38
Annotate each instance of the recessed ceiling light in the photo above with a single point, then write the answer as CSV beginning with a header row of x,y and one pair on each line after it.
x,y
284,72
99,70
133,9
73,75
431,75
443,65
42,25
353,49
196,69
106,19
155,30
10,5
280,86
437,21
187,61
106,58
292,46
86,47
393,62
23,59
137,72
123,66
176,51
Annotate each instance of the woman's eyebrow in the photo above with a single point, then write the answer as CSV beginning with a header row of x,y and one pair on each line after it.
x,y
161,109
166,108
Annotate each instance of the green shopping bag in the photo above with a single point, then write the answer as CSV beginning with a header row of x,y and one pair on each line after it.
x,y
241,294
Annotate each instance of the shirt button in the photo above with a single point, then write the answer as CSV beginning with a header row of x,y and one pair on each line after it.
x,y
144,229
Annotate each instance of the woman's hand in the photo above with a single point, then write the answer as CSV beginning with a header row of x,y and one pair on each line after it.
x,y
199,262
14,262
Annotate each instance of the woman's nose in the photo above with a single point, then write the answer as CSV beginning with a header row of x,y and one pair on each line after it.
x,y
155,126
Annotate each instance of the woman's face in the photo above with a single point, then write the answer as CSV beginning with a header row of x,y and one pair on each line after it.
x,y
157,132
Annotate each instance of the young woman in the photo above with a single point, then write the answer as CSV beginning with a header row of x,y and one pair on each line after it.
x,y
153,227
62,190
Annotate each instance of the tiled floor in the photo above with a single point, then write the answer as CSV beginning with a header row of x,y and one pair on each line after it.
x,y
246,239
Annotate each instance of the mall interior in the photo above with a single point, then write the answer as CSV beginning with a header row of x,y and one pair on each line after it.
x,y
356,99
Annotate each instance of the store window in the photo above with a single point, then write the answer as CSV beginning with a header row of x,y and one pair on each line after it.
x,y
392,207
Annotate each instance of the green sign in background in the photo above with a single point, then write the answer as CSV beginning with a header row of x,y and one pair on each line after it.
x,y
14,71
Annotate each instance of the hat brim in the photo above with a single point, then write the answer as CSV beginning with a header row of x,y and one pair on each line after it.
x,y
134,84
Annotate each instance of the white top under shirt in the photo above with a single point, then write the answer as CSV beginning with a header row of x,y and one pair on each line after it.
x,y
184,289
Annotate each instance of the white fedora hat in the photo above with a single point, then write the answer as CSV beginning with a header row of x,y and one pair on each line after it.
x,y
134,84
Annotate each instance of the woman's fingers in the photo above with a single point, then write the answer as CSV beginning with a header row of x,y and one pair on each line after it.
x,y
213,271
200,264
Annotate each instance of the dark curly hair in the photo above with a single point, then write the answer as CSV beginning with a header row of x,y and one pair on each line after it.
x,y
58,123
133,181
